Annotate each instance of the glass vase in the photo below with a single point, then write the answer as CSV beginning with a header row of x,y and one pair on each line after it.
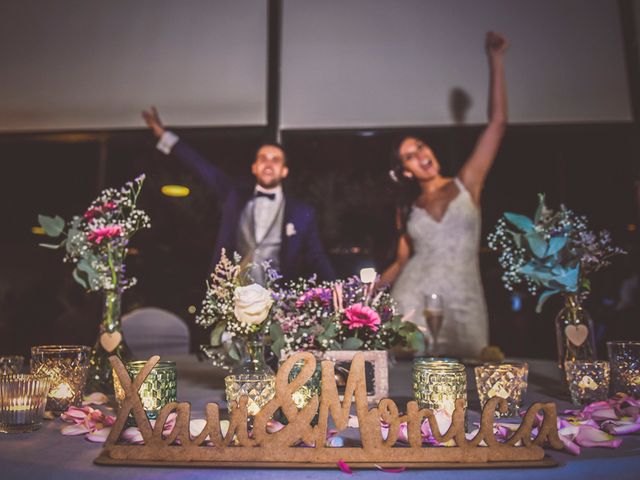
x,y
575,336
110,342
253,377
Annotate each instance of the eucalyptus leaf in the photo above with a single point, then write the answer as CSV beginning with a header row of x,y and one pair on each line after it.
x,y
541,206
352,343
216,334
521,222
79,277
50,245
53,226
277,346
416,340
233,351
275,331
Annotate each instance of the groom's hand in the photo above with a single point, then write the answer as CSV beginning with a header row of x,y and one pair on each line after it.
x,y
152,119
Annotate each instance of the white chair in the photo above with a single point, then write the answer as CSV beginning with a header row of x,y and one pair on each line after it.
x,y
153,331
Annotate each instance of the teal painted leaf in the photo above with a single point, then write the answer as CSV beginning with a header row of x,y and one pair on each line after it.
x,y
537,244
520,221
53,226
543,298
352,343
555,245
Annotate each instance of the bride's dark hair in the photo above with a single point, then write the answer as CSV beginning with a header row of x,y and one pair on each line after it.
x,y
407,189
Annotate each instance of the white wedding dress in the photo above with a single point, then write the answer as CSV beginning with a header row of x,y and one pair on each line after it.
x,y
445,261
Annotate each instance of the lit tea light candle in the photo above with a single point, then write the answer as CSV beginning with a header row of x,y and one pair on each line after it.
x,y
504,380
66,367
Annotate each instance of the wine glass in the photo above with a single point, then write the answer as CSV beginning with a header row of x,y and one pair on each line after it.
x,y
434,316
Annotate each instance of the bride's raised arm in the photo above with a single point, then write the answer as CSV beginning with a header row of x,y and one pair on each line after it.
x,y
475,170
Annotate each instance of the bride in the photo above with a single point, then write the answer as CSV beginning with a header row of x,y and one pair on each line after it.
x,y
439,223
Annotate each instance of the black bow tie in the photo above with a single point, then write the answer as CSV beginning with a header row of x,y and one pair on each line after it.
x,y
270,196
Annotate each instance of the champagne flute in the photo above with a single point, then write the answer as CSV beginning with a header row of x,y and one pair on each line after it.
x,y
434,316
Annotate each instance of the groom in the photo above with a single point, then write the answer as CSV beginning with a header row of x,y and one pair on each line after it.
x,y
260,222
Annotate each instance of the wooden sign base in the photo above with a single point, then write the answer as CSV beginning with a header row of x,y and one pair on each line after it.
x,y
241,448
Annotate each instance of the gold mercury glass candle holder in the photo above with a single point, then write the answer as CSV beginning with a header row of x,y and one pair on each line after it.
x,y
159,388
504,380
66,368
22,401
11,364
588,380
437,383
259,389
624,358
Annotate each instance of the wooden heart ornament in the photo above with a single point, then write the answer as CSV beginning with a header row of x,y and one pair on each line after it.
x,y
110,341
576,334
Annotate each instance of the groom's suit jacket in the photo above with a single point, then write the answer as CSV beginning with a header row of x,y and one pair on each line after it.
x,y
301,252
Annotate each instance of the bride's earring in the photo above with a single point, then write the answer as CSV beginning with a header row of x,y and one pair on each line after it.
x,y
407,174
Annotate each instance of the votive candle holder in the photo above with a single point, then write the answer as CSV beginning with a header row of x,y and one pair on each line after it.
x,y
504,380
437,383
588,380
159,388
258,388
22,402
66,367
624,358
11,364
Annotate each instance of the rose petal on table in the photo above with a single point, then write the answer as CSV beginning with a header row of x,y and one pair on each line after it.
x,y
390,470
132,435
99,436
342,465
353,422
274,426
96,398
601,414
75,429
335,442
196,426
593,437
620,427
75,414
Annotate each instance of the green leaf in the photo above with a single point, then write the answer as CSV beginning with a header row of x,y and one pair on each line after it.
x,y
352,343
234,353
519,221
537,243
216,334
51,245
53,226
540,208
275,331
416,340
277,346
80,277
543,298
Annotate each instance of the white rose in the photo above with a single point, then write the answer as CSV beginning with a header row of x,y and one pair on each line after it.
x,y
252,304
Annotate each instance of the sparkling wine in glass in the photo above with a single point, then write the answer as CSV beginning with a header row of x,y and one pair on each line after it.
x,y
434,316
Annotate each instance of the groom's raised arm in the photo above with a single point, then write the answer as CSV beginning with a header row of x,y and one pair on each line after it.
x,y
170,143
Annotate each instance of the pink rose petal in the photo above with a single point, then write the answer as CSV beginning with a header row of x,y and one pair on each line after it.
x,y
620,427
390,470
344,467
593,437
99,436
75,429
132,435
96,398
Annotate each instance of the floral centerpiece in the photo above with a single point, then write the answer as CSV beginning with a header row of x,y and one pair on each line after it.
x,y
555,252
238,310
341,315
96,243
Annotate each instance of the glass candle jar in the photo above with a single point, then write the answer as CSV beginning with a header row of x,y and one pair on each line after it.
x,y
159,388
22,402
588,380
624,358
66,368
505,380
11,364
437,383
